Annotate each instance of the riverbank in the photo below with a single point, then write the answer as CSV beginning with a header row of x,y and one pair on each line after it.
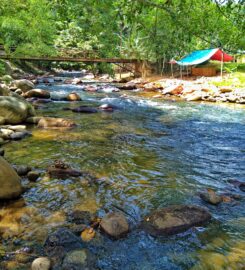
x,y
132,157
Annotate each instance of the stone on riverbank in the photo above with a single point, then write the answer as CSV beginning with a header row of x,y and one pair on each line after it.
x,y
51,122
23,84
15,110
37,93
115,225
9,181
4,91
175,219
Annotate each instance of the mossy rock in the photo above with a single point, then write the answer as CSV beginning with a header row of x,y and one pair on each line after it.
x,y
14,110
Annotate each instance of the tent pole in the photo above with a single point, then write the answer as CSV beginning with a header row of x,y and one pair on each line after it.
x,y
222,64
172,70
181,72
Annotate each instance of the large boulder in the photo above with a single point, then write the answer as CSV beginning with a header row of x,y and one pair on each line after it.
x,y
15,110
115,225
9,181
37,93
51,122
4,91
175,219
23,84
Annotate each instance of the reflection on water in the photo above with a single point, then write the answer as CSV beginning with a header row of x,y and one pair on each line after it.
x,y
147,154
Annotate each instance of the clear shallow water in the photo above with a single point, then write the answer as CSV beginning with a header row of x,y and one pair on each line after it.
x,y
147,154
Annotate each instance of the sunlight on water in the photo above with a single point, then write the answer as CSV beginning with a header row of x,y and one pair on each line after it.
x,y
148,153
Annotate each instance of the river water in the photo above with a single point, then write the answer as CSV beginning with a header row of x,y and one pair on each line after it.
x,y
147,154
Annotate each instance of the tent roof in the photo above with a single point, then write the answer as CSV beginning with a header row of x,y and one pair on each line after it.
x,y
198,57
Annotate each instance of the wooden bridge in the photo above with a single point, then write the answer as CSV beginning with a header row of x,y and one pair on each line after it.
x,y
131,65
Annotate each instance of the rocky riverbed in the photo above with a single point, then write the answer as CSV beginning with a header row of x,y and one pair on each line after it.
x,y
104,175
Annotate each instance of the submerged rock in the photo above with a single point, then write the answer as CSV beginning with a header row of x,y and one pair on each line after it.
x,y
211,197
9,181
61,170
42,263
60,242
175,219
84,109
79,259
79,217
115,225
51,122
239,184
73,97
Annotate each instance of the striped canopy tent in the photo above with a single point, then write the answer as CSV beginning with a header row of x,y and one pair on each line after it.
x,y
201,56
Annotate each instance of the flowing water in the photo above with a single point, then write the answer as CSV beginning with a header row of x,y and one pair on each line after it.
x,y
149,153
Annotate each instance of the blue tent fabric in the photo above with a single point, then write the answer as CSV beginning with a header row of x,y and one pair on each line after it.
x,y
197,57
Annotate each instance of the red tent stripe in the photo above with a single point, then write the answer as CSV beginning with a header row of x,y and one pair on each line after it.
x,y
218,56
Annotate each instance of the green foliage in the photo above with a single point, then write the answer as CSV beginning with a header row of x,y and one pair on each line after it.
x,y
27,26
2,69
155,30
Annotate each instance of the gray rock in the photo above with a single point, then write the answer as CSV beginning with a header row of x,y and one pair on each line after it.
x,y
19,135
175,219
79,217
115,225
79,259
60,242
22,170
23,84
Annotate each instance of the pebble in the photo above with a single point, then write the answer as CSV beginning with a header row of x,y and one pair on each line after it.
x,y
42,263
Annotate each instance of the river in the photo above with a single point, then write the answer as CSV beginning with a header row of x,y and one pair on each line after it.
x,y
148,153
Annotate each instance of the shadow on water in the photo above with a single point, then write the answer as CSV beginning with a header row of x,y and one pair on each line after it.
x,y
147,154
